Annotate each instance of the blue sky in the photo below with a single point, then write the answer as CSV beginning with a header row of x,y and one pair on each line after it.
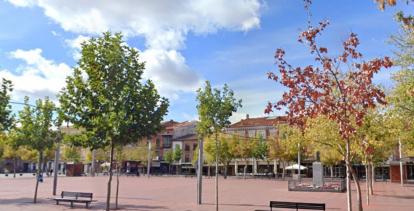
x,y
184,43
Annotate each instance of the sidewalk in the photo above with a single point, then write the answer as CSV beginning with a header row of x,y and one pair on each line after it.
x,y
163,193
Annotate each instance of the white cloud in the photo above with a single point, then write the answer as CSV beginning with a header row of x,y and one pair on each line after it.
x,y
22,3
169,72
37,77
75,45
163,23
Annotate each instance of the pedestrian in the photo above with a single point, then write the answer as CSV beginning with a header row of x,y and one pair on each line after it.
x,y
40,177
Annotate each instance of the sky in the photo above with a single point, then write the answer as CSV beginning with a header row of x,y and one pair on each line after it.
x,y
185,43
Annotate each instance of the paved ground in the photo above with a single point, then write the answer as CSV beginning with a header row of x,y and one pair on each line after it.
x,y
179,193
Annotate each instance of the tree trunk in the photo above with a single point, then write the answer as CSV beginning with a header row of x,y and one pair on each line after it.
x,y
332,172
217,159
348,175
176,170
359,197
209,169
225,171
245,168
372,172
37,175
108,195
117,187
367,182
14,167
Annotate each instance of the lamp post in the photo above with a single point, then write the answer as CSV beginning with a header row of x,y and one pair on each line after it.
x,y
200,172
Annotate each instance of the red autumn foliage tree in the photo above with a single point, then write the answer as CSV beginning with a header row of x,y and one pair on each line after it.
x,y
339,87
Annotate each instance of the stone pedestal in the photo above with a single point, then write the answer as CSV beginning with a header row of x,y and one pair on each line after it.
x,y
317,174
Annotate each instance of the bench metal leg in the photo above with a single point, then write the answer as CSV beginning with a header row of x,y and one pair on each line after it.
x,y
71,204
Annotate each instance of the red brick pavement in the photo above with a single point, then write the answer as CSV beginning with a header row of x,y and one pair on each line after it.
x,y
179,193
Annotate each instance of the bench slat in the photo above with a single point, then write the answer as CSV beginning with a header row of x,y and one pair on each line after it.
x,y
75,197
297,205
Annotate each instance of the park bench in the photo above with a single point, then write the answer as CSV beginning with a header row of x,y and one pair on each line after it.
x,y
296,205
75,197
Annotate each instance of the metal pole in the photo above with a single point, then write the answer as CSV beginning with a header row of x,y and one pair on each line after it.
x,y
299,162
401,164
200,172
149,158
56,169
93,163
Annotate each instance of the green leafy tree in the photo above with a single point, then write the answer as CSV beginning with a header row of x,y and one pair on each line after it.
x,y
111,101
402,95
377,144
228,151
214,109
260,150
71,153
177,155
284,146
245,151
168,158
322,134
35,131
13,154
6,117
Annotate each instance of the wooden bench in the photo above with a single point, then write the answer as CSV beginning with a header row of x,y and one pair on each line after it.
x,y
296,205
75,197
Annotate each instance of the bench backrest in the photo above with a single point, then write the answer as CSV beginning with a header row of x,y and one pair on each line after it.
x,y
76,194
297,205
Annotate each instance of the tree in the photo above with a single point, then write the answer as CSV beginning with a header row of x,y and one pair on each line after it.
x,y
6,117
322,134
377,144
402,95
35,131
228,150
176,155
168,158
111,102
71,153
407,20
284,146
245,151
214,109
340,87
260,149
12,154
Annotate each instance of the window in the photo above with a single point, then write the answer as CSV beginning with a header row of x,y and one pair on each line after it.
x,y
166,141
187,147
157,142
187,158
194,146
157,153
